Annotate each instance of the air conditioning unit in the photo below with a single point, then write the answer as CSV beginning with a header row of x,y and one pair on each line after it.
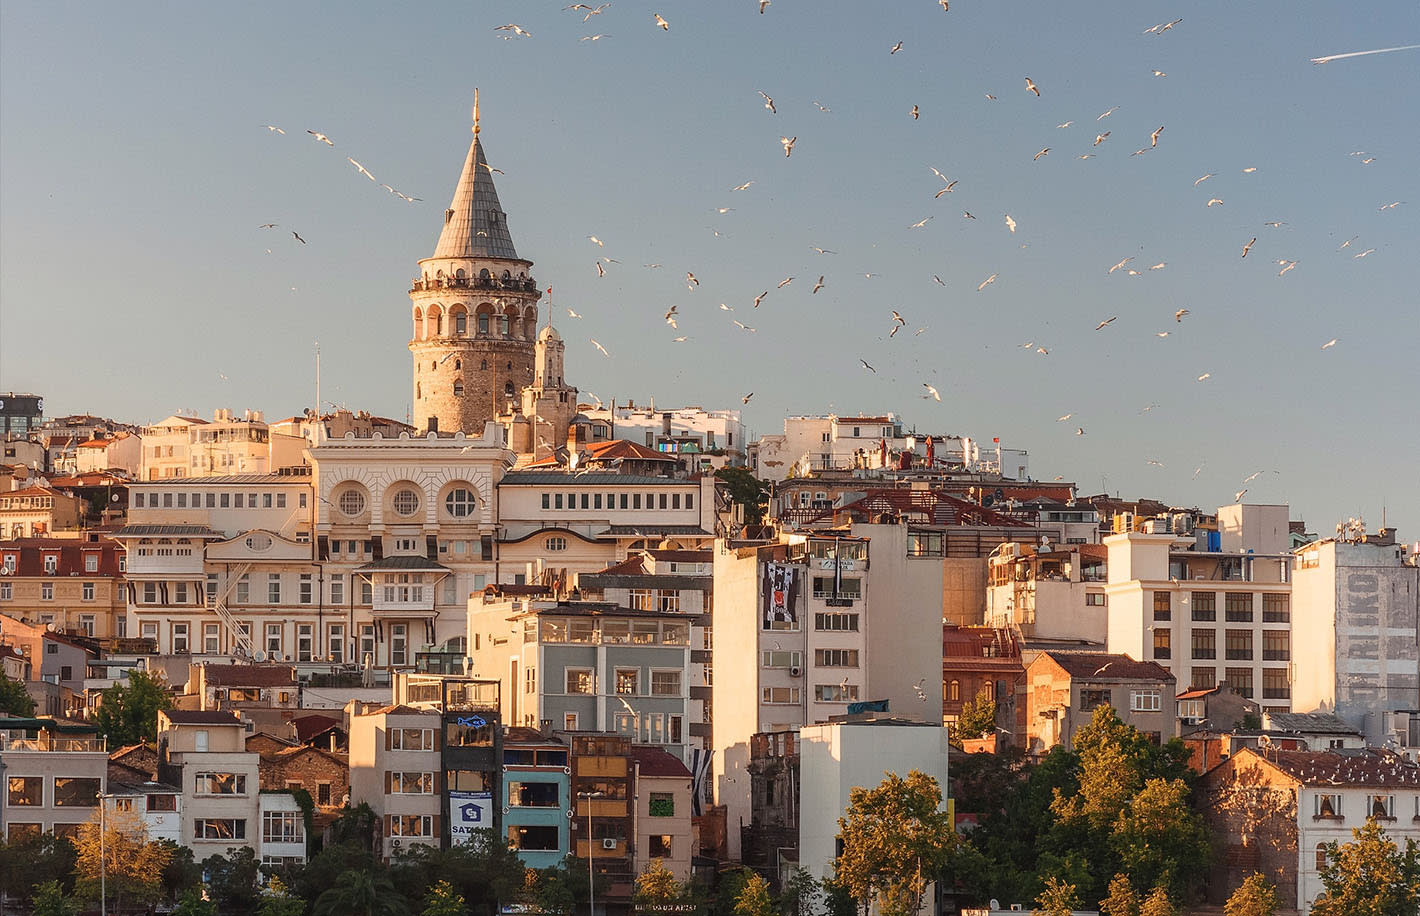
x,y
795,671
608,843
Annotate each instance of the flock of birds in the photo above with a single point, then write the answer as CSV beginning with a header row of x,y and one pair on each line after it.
x,y
1102,135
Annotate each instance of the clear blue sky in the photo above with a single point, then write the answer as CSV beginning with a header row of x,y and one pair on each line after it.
x,y
135,170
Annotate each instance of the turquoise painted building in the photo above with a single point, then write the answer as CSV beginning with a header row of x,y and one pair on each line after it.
x,y
536,796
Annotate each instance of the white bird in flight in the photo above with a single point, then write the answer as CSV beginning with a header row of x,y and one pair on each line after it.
x,y
515,29
1030,87
768,102
319,136
1039,154
1215,200
601,348
1330,343
1178,315
1205,376
920,223
743,187
1203,179
868,367
818,285
660,21
1248,246
931,392
1107,321
987,282
276,129
1010,223
1064,418
788,144
1107,113
1100,138
744,327
895,48
1119,265
361,169
1363,253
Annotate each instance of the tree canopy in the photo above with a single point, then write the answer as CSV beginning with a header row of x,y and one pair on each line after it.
x,y
895,840
128,713
14,700
1370,876
1254,897
132,866
978,717
747,490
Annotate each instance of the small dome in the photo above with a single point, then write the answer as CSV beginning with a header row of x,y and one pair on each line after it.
x,y
549,333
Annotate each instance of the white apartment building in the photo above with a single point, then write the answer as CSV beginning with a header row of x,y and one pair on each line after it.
x,y
205,754
832,619
1049,592
1354,606
714,438
189,446
1209,616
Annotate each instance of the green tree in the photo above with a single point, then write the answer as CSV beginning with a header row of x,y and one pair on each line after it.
x,y
801,894
1058,898
747,490
192,903
235,880
1160,839
14,700
29,862
279,901
51,900
895,840
443,900
484,870
132,867
978,717
1254,897
1158,903
753,898
1122,899
128,713
181,872
1370,876
361,893
558,890
657,884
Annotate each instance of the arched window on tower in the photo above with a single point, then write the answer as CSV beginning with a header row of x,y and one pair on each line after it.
x,y
503,325
461,324
460,273
418,322
438,325
484,365
418,391
458,364
482,322
458,387
508,390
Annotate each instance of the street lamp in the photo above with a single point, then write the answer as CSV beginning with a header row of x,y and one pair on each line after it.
x,y
103,856
591,876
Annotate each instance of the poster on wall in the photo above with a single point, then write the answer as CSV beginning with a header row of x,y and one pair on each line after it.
x,y
469,811
780,590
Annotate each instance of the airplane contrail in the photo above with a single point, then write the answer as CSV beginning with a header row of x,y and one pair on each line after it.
x,y
1328,59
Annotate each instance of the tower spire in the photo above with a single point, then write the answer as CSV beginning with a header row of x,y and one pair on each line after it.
x,y
475,111
475,225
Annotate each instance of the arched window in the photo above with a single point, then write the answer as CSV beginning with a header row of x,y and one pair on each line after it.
x,y
503,325
483,322
990,690
510,366
461,324
418,391
954,691
418,322
458,364
507,389
484,365
458,387
484,274
460,502
1320,856
438,325
460,273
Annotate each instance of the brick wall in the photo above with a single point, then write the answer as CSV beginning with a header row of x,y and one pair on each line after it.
x,y
308,768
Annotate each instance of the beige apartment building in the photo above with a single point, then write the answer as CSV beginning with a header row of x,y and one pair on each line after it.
x,y
38,511
663,823
204,753
1063,689
54,772
186,446
1210,609
1050,591
75,585
396,766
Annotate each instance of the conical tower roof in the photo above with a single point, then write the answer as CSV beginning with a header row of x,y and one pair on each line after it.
x,y
475,225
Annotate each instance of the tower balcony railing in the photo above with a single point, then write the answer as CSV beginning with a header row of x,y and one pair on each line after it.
x,y
512,284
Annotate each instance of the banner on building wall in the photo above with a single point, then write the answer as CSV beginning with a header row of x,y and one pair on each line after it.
x,y
469,811
781,588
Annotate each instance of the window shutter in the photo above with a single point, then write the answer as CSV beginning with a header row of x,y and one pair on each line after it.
x,y
389,740
323,547
439,739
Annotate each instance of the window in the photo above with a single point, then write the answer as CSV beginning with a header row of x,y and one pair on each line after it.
x,y
1205,643
1237,607
662,804
836,693
273,640
179,593
51,564
180,639
243,595
555,544
1239,644
1094,599
847,588
409,825
665,683
411,739
1327,805
1205,605
210,639
925,544
75,792
460,502
1321,851
639,599
1163,647
836,621
273,588
335,643
305,589
409,783
1205,678
27,791
954,691
221,784
668,601
1381,807
533,838
1275,684
219,829
781,695
626,680
283,827
91,562
1276,609
7,591
87,591
399,643
305,641
162,802
1276,645
1145,701
836,658
337,589
1163,605
1089,699
1240,680
351,503
532,794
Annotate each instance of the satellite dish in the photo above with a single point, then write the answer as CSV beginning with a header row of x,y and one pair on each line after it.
x,y
113,497
259,656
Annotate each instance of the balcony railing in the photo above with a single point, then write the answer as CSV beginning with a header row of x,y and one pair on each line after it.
x,y
514,284
49,742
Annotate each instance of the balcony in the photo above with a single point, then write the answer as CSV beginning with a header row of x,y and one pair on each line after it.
x,y
513,284
48,741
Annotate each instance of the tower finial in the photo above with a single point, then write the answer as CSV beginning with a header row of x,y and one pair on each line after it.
x,y
475,111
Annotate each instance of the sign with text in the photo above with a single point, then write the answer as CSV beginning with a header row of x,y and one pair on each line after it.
x,y
469,811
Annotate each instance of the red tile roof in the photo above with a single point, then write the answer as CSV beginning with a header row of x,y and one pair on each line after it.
x,y
307,727
1105,666
70,557
631,566
1362,767
652,761
611,450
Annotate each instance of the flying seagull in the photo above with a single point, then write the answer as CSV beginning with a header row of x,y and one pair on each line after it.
x,y
931,392
1248,246
788,144
987,282
745,399
1330,343
297,237
868,367
601,348
1030,87
1107,321
768,102
895,48
660,21
818,285
1039,154
273,127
